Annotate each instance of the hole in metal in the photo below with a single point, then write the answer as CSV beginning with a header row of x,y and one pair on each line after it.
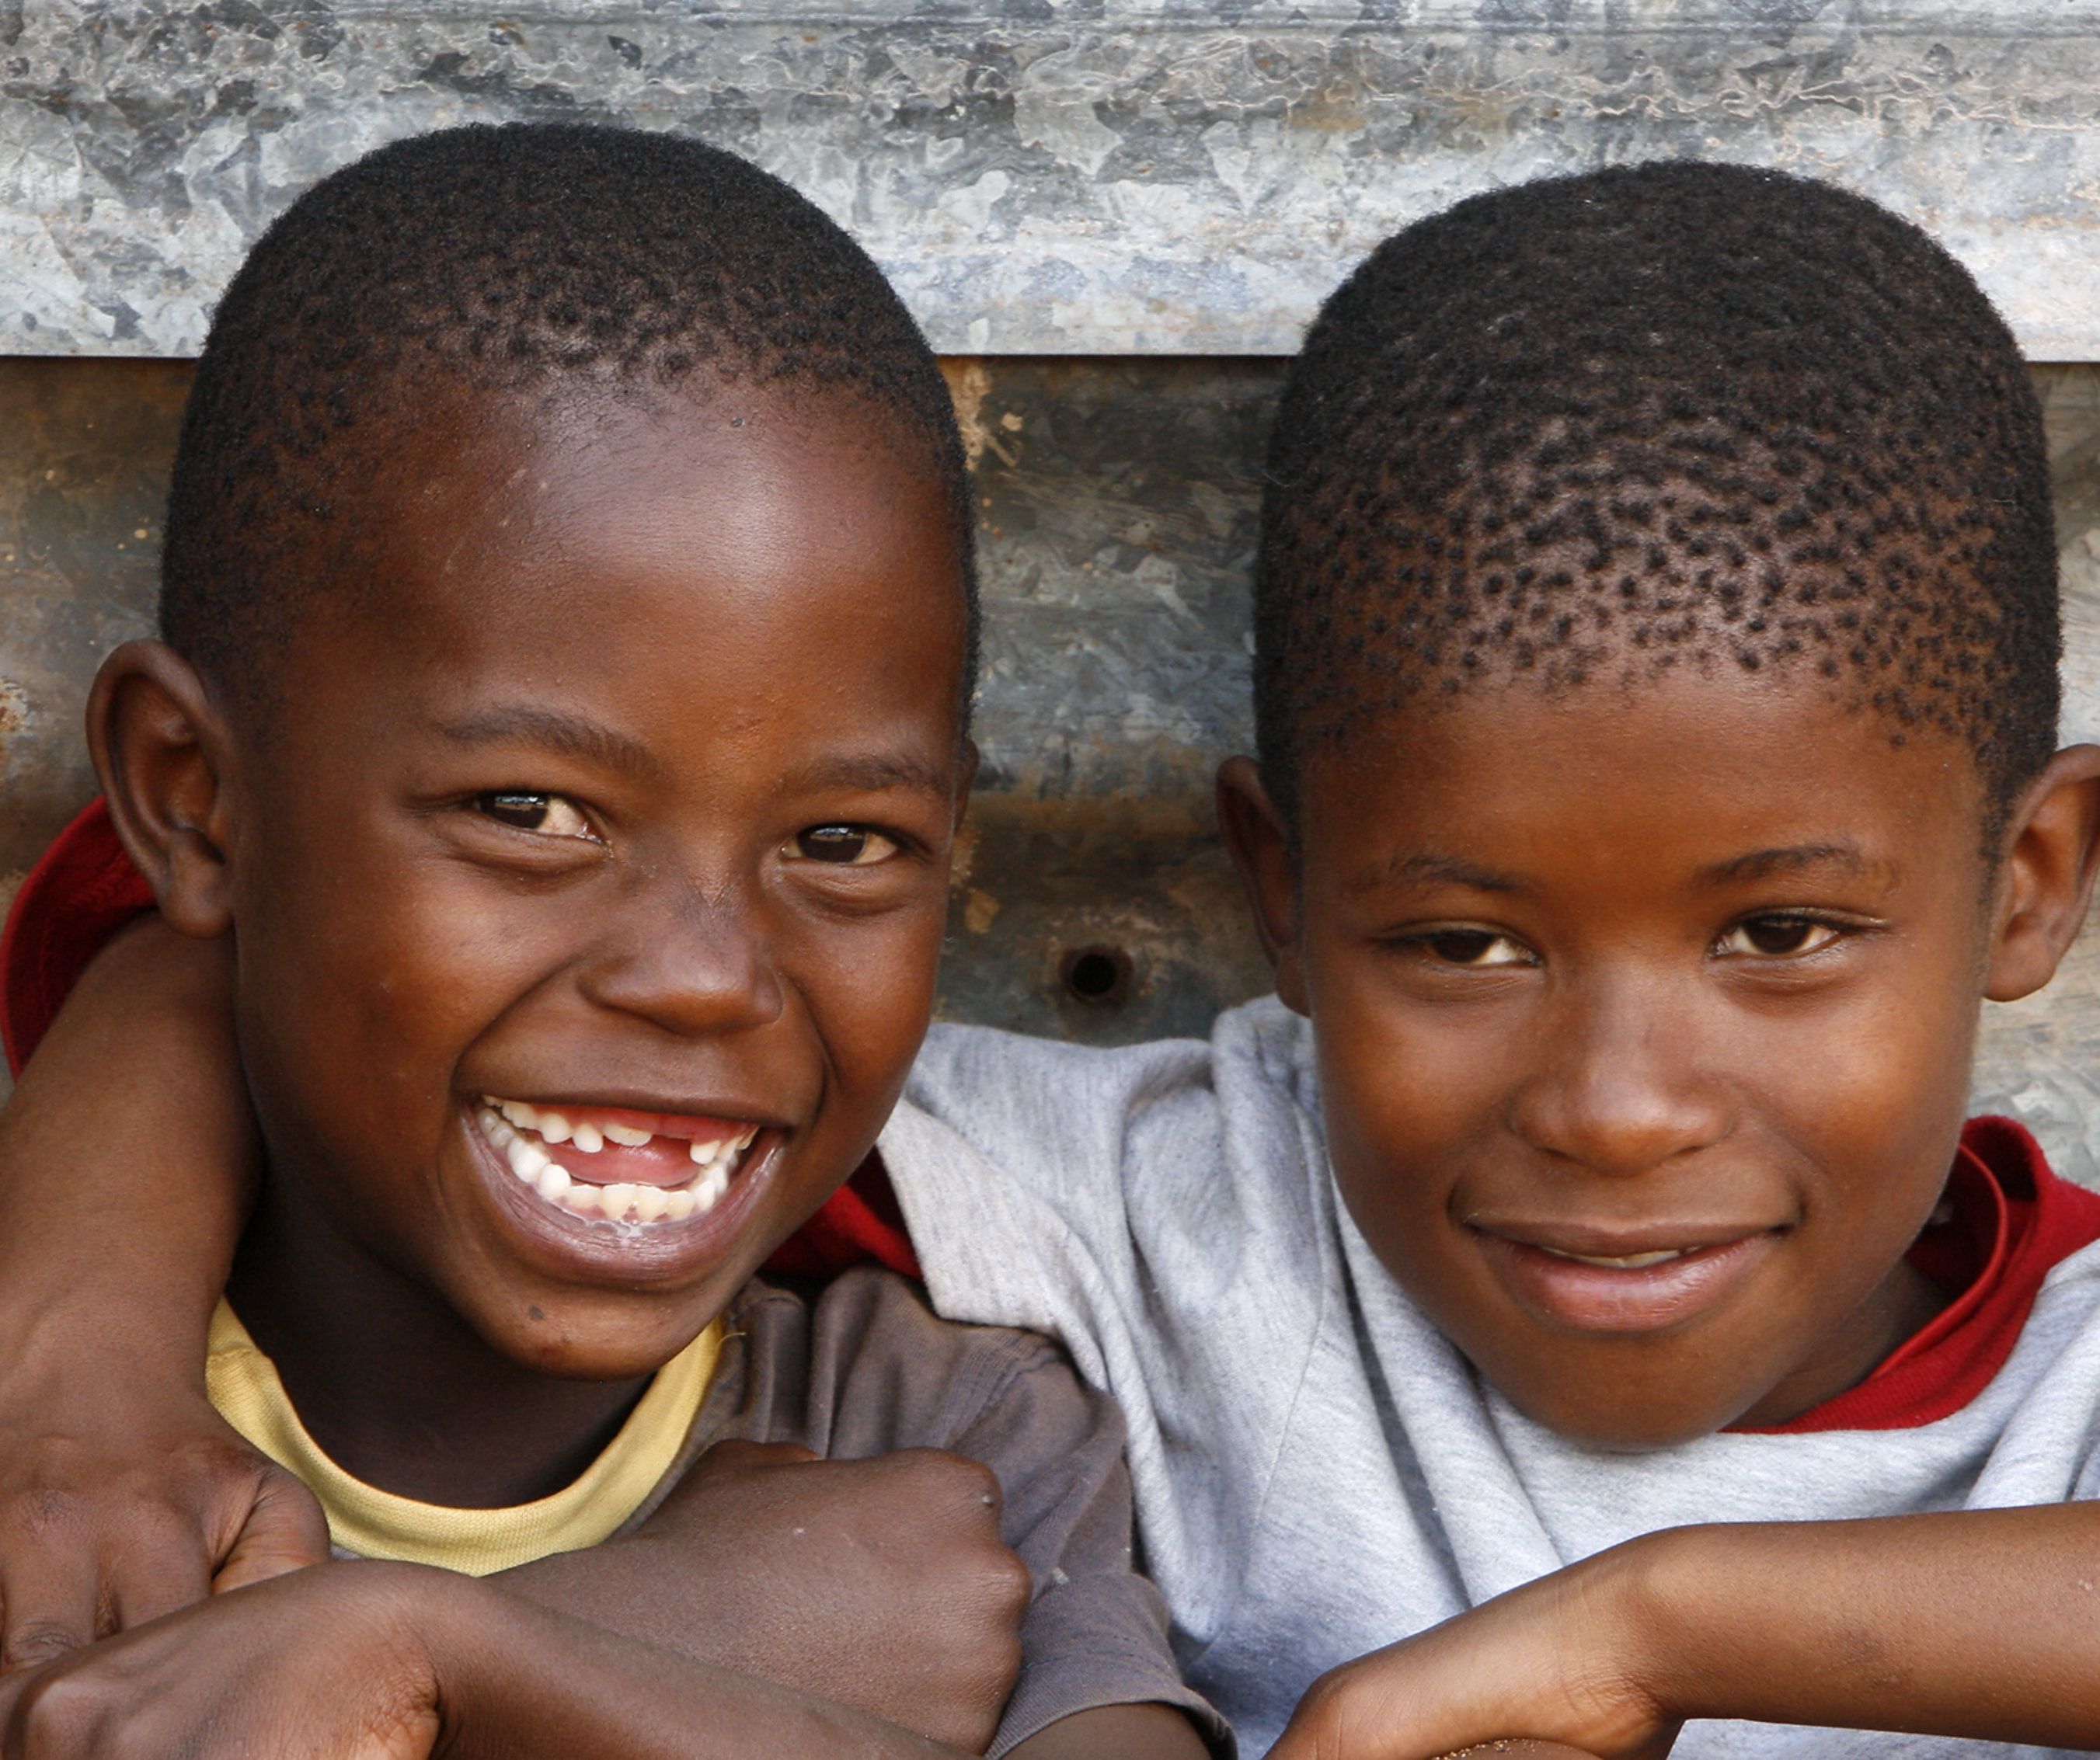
x,y
1097,975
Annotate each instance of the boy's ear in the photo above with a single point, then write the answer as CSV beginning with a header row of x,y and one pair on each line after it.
x,y
1260,845
2051,858
162,750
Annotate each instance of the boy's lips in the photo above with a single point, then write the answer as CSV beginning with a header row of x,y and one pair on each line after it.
x,y
617,1165
1594,1281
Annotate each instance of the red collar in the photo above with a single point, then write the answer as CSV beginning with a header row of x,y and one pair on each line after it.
x,y
2008,1220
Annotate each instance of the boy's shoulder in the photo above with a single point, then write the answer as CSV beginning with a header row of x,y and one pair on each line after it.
x,y
1031,1172
860,1365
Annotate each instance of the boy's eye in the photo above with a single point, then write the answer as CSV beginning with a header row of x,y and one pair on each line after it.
x,y
1774,937
843,846
548,814
1474,947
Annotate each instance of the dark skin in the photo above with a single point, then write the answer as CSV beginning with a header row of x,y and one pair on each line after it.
x,y
1691,969
713,647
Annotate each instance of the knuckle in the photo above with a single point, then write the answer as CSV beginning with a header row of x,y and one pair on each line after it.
x,y
36,1642
973,1486
61,1715
1009,1584
43,1512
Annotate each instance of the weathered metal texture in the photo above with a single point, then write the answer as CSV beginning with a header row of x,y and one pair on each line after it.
x,y
84,453
1118,502
1048,176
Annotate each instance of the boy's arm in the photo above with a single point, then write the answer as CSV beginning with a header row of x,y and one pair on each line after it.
x,y
1982,1625
395,1661
125,1157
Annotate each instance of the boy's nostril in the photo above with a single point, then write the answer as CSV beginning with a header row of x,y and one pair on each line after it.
x,y
1099,975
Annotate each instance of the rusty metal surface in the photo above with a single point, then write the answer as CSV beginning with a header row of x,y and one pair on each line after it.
x,y
1119,500
1048,176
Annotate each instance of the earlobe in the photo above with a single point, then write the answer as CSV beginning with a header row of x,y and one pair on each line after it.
x,y
2052,857
160,749
1259,843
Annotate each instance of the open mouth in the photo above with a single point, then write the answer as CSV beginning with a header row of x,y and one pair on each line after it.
x,y
612,1165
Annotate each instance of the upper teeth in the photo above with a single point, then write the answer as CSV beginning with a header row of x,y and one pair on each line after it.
x,y
1631,1262
505,1122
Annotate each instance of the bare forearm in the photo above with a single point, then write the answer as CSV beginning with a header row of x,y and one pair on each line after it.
x,y
515,1679
1982,1624
126,1154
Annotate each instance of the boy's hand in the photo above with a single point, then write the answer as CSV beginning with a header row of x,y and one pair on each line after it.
x,y
108,1520
1546,1668
880,1584
330,1663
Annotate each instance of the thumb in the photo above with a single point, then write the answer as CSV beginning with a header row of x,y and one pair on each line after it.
x,y
284,1531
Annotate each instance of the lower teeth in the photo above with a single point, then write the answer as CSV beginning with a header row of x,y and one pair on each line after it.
x,y
617,1202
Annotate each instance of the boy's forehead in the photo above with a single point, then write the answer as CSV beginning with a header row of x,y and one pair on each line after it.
x,y
1704,769
743,539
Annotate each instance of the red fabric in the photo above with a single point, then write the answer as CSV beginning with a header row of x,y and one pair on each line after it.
x,y
85,889
2012,1220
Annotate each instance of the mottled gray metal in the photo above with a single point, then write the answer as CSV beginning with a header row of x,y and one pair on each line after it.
x,y
1049,176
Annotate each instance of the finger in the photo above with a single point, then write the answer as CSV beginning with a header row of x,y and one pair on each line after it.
x,y
48,1608
284,1531
145,1582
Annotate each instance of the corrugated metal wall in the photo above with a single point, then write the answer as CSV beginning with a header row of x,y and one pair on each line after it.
x,y
1114,218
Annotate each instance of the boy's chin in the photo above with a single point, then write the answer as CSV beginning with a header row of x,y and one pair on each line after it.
x,y
1626,1406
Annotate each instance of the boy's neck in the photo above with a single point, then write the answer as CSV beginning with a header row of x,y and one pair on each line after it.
x,y
394,1386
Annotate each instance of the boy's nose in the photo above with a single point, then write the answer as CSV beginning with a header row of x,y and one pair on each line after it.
x,y
691,965
1622,1089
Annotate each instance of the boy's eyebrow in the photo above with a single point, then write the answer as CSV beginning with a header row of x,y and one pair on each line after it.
x,y
572,736
1759,864
1428,867
870,772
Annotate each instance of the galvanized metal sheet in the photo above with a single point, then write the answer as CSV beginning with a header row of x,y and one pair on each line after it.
x,y
1048,176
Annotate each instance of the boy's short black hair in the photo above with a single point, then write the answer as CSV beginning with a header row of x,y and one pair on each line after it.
x,y
525,258
1671,414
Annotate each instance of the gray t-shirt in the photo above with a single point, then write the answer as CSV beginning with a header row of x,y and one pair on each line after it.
x,y
861,1366
1318,1470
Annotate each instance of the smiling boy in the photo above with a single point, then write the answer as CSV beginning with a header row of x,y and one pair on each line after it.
x,y
1656,689
1581,1273
568,623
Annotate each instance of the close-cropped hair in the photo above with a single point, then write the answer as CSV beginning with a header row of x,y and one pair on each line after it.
x,y
1669,416
545,261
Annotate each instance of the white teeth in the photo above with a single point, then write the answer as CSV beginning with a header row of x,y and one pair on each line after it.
x,y
526,1159
1631,1262
505,1122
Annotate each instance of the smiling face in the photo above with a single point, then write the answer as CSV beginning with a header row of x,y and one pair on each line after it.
x,y
588,889
1644,1021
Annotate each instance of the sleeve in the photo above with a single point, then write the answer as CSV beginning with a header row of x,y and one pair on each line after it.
x,y
1096,1633
82,892
886,1373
